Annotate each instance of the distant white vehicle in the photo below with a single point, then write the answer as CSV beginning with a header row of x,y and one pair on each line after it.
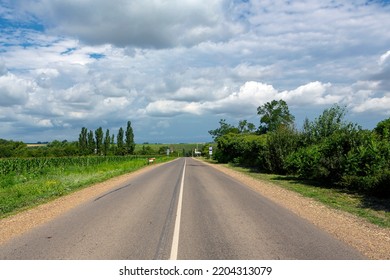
x,y
197,153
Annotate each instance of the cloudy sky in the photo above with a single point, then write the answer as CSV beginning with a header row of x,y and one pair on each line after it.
x,y
176,67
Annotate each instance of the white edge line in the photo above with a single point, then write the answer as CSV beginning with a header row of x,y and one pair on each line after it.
x,y
175,240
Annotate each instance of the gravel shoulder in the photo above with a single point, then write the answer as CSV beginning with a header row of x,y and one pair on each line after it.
x,y
369,239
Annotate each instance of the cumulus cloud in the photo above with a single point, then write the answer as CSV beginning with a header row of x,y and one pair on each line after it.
x,y
383,74
74,63
14,90
245,101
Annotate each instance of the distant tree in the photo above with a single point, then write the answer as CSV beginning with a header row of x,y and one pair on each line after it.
x,y
83,141
273,115
119,142
99,140
224,128
9,148
130,145
106,143
91,143
245,127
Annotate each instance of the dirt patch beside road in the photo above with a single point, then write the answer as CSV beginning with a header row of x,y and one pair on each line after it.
x,y
369,239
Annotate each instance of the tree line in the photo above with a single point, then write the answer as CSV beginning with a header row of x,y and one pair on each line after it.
x,y
328,148
104,144
89,143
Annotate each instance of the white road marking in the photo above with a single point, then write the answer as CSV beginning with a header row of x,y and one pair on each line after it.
x,y
175,240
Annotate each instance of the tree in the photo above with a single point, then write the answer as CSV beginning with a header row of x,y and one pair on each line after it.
x,y
106,143
224,128
83,141
91,143
329,122
119,142
273,115
99,140
130,145
245,127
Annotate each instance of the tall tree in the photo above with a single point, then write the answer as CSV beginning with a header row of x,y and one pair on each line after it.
x,y
130,145
91,143
119,142
273,115
106,143
99,140
83,141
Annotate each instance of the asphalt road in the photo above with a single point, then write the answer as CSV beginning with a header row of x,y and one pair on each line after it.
x,y
180,210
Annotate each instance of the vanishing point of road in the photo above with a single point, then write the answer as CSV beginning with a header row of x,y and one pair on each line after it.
x,y
183,209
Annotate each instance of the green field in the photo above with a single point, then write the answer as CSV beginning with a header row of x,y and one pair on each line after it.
x,y
25,183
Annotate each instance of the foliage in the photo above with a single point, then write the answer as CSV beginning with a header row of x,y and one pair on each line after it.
x,y
11,148
224,128
119,142
327,149
129,141
273,115
383,129
240,148
280,144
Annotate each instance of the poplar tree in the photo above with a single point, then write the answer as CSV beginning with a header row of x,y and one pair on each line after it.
x,y
91,143
106,144
130,145
83,141
119,141
99,140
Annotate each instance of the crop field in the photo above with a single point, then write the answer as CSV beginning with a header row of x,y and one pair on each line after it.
x,y
28,182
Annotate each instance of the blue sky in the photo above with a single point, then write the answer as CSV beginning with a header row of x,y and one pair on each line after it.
x,y
175,68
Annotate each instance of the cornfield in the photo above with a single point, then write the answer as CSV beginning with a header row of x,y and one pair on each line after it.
x,y
28,165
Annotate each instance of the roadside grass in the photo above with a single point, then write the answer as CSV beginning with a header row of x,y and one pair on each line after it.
x,y
372,209
22,191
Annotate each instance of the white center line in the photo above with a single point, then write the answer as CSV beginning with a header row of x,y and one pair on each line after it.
x,y
175,240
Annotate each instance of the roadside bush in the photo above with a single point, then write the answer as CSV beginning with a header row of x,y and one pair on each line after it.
x,y
242,149
280,144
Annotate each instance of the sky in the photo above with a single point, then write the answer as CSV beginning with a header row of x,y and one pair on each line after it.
x,y
174,68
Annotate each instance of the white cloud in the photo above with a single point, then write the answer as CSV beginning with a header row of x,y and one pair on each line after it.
x,y
14,90
94,61
375,105
148,23
385,58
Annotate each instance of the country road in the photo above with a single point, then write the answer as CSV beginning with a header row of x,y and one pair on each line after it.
x,y
183,209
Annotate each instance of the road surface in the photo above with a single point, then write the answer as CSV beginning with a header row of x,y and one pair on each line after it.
x,y
184,209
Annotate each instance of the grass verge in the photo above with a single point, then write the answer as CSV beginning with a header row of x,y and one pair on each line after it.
x,y
374,210
23,191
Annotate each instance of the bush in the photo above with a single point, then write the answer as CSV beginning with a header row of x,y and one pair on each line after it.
x,y
280,144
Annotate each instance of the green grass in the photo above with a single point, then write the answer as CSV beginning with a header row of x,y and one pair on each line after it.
x,y
25,190
374,210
